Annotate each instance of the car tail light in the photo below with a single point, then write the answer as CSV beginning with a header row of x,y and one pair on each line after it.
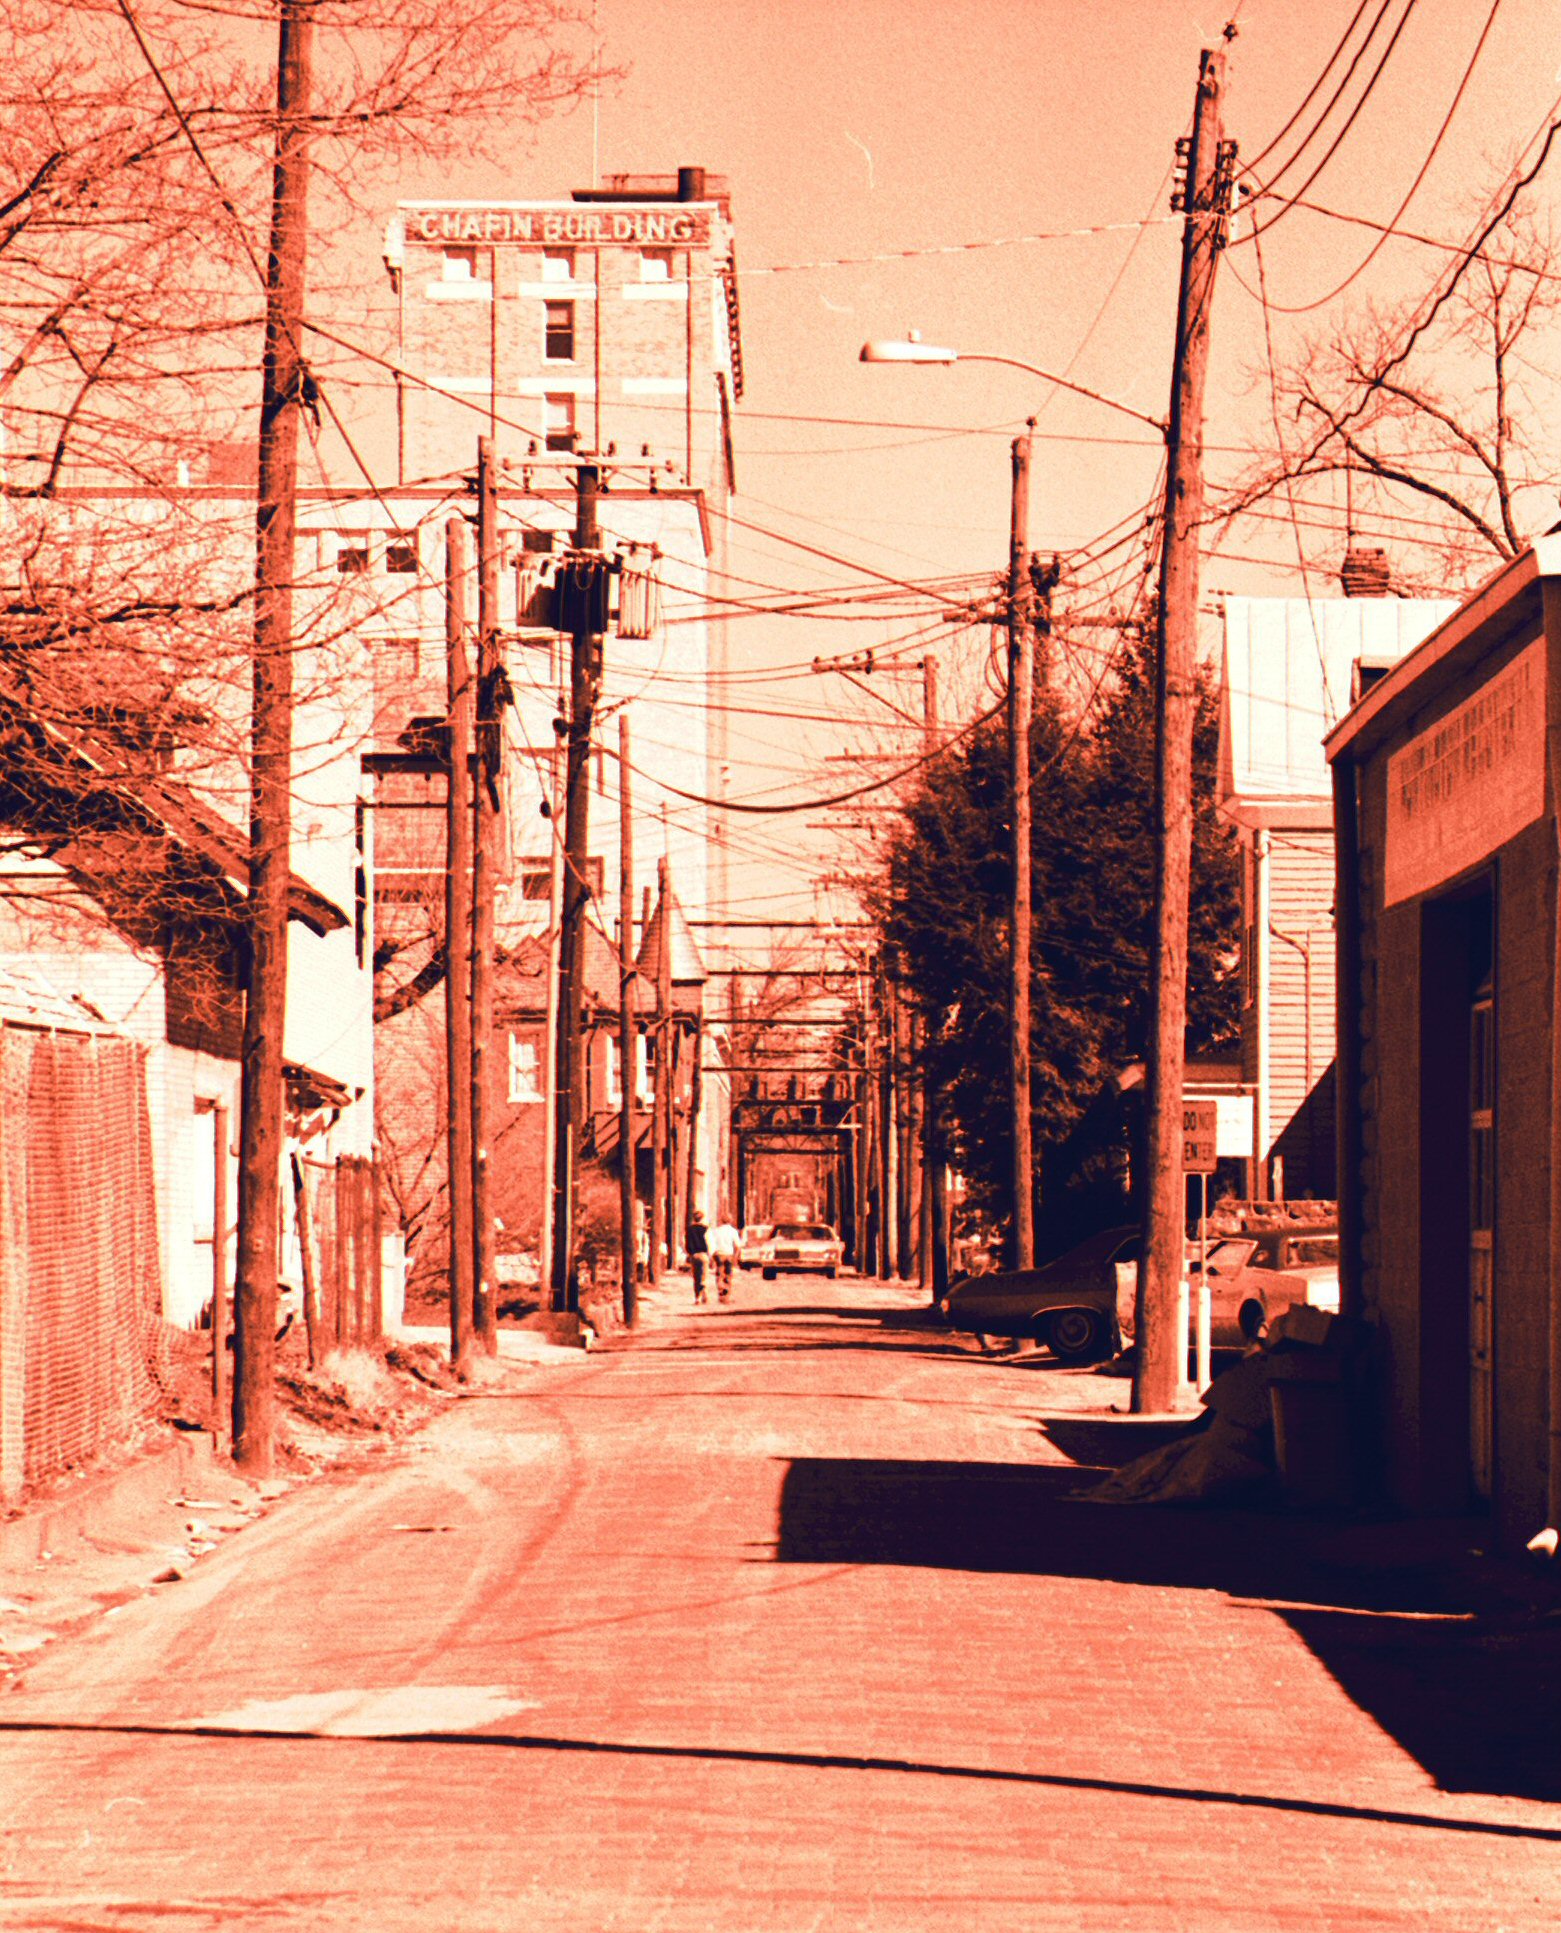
x,y
944,1305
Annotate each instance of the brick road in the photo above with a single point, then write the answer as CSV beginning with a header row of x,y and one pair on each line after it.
x,y
789,1614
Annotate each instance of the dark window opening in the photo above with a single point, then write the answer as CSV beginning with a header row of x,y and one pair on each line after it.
x,y
559,342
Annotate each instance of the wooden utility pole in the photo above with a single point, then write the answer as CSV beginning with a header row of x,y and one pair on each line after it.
x,y
461,712
666,1071
929,1210
905,1129
1161,1366
220,1132
555,929
587,607
282,389
628,1030
658,1120
887,1147
696,1101
1021,698
487,779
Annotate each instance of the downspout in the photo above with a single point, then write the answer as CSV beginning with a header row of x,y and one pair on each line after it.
x,y
1303,946
1347,1112
1261,1139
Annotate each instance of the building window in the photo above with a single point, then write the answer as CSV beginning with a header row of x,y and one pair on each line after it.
x,y
558,265
524,1084
655,264
401,555
558,422
460,265
559,344
352,552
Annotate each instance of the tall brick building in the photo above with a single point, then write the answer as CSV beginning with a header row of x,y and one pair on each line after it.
x,y
605,325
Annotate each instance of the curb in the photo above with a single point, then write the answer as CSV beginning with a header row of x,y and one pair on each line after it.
x,y
107,1506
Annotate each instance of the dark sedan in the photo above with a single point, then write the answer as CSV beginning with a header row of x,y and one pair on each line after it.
x,y
1081,1304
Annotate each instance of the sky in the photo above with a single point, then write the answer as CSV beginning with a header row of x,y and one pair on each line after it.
x,y
995,174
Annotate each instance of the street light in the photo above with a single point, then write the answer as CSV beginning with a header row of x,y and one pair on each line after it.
x,y
911,348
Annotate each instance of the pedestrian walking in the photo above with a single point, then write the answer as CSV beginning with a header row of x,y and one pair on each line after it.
x,y
723,1252
698,1246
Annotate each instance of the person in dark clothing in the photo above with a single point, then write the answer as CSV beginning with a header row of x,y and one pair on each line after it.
x,y
698,1246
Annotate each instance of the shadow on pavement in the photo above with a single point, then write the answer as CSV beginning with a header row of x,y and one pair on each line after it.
x,y
1476,1700
550,1744
1478,1704
1035,1519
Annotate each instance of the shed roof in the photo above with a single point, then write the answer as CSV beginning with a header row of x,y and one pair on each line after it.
x,y
1288,664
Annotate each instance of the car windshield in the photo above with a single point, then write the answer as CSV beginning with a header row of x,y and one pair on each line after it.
x,y
803,1232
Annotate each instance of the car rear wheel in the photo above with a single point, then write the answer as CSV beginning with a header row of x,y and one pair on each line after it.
x,y
769,1275
1077,1335
829,1274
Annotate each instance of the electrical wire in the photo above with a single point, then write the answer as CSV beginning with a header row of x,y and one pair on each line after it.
x,y
1343,133
1321,301
1311,93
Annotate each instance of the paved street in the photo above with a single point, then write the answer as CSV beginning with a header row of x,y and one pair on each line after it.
x,y
782,1615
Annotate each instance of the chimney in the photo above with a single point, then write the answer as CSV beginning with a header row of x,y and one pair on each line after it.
x,y
1365,573
691,184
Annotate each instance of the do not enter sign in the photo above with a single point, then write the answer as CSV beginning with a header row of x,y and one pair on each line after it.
x,y
1200,1132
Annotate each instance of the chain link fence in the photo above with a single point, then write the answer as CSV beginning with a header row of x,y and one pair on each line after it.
x,y
83,1345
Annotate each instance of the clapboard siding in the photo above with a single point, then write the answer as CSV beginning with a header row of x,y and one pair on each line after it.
x,y
1301,1008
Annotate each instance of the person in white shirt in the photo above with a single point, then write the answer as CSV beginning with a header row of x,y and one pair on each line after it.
x,y
723,1252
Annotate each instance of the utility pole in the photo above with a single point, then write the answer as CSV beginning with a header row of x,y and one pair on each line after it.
x,y
666,1076
487,778
555,929
1021,698
928,1207
888,1179
458,941
586,611
628,1029
658,1120
282,389
1161,1361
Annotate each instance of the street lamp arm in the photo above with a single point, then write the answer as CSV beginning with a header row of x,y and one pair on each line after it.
x,y
914,350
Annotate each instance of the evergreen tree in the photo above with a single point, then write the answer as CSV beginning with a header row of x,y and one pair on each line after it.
x,y
945,904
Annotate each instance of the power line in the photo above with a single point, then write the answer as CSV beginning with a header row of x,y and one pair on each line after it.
x,y
1321,301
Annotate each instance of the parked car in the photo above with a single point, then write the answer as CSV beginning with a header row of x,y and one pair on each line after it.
x,y
1074,1304
1081,1304
755,1245
804,1248
1256,1276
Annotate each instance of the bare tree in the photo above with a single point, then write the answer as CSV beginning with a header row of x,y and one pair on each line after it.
x,y
135,201
1443,452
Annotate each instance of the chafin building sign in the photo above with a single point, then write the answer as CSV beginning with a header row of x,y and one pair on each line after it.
x,y
542,224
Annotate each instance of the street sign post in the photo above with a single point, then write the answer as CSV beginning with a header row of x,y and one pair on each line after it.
x,y
1200,1135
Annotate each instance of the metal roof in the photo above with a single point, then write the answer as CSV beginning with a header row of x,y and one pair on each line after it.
x,y
688,969
1288,663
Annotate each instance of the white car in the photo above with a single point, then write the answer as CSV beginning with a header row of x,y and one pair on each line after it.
x,y
755,1245
804,1248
